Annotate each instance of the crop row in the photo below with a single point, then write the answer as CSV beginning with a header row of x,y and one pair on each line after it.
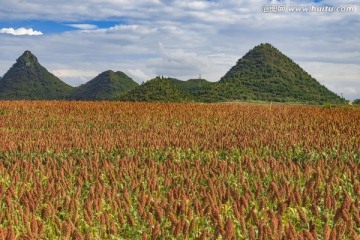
x,y
76,170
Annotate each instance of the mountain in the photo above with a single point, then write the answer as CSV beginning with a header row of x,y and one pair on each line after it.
x,y
197,88
106,86
27,79
264,73
157,89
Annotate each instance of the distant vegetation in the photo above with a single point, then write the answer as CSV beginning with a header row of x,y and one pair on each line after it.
x,y
356,102
158,89
106,86
263,74
197,88
27,79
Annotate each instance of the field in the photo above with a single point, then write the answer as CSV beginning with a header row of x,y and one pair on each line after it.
x,y
111,170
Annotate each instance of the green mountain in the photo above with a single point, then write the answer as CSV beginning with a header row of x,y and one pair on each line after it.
x,y
157,90
197,88
27,79
106,86
264,73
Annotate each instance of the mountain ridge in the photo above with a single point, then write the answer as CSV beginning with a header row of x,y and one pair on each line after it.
x,y
106,86
263,73
270,75
155,90
28,79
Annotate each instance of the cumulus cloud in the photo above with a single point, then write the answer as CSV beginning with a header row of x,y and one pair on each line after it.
x,y
74,77
134,28
177,62
73,73
342,78
20,31
83,26
139,75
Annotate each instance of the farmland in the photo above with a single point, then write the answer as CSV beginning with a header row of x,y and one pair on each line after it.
x,y
112,170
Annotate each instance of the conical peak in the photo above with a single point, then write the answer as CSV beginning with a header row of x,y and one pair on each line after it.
x,y
107,73
27,59
264,45
27,53
264,48
110,74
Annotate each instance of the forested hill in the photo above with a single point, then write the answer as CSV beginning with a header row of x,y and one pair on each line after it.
x,y
28,79
264,73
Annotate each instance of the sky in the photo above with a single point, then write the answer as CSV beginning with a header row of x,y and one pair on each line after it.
x,y
78,39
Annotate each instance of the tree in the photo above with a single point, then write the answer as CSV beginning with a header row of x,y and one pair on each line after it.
x,y
356,102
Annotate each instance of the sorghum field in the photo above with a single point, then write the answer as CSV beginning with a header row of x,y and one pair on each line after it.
x,y
111,170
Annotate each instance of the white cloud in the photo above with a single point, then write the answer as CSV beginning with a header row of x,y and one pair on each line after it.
x,y
134,28
83,26
73,73
138,75
196,5
342,78
20,31
73,77
177,62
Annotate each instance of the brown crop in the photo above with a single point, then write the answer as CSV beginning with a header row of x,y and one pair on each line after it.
x,y
112,170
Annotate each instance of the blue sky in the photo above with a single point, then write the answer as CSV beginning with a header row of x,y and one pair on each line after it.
x,y
78,39
53,27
